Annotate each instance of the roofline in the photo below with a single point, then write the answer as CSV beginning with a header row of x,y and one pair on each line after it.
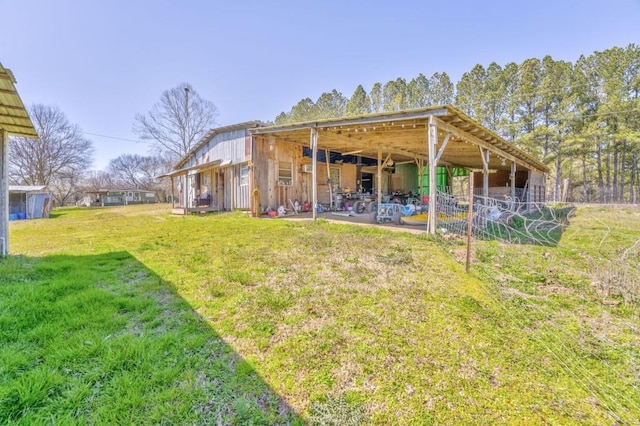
x,y
407,114
210,164
418,113
211,133
14,117
537,163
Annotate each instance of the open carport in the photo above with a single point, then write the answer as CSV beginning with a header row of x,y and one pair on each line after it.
x,y
14,120
428,137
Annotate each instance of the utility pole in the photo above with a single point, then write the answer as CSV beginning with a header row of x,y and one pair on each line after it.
x,y
185,141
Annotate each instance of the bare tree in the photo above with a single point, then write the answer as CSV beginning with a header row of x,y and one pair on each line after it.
x,y
98,180
60,149
66,188
138,171
177,122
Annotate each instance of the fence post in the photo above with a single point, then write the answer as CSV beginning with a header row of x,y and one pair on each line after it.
x,y
469,221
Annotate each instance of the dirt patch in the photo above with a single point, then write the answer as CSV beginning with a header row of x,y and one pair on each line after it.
x,y
359,220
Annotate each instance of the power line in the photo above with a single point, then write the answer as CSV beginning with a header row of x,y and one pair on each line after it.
x,y
111,137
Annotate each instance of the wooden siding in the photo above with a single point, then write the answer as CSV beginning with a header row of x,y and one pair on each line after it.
x,y
236,196
232,147
270,193
233,150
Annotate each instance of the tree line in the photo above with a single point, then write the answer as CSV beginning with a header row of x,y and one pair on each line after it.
x,y
582,118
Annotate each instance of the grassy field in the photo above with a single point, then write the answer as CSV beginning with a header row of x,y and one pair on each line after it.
x,y
127,315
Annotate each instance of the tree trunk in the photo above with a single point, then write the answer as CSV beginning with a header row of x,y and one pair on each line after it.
x,y
559,194
600,177
585,190
614,188
607,169
633,183
622,171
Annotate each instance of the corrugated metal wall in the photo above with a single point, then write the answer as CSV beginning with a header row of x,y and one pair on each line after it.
x,y
231,148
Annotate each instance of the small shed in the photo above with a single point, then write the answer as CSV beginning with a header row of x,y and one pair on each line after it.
x,y
28,202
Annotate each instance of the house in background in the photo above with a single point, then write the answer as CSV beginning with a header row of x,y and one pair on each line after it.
x,y
118,197
28,202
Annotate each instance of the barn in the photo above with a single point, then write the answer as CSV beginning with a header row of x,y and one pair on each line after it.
x,y
255,167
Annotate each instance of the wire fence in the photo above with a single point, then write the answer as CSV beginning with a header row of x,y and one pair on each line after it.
x,y
505,219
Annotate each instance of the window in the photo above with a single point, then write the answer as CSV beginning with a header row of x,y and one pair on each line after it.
x,y
244,175
285,173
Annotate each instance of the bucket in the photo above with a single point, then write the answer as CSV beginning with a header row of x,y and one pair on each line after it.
x,y
13,216
22,215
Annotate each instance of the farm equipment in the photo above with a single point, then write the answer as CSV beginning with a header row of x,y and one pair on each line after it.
x,y
387,212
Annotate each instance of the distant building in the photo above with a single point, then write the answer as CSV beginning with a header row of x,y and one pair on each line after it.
x,y
28,202
118,197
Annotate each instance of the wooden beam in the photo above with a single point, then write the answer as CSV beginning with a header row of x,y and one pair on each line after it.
x,y
432,139
379,197
513,180
484,154
442,147
379,118
4,192
484,144
314,171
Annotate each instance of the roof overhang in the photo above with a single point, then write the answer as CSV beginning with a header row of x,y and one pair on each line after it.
x,y
402,136
26,188
198,168
14,118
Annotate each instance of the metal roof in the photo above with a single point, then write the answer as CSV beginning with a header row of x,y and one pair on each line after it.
x,y
198,167
13,115
403,136
26,188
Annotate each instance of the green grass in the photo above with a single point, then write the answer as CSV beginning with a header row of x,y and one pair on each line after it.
x,y
128,315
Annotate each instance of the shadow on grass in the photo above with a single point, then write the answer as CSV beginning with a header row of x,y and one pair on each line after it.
x,y
103,340
54,214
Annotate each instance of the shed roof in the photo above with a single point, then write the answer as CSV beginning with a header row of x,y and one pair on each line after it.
x,y
13,115
26,188
197,167
403,136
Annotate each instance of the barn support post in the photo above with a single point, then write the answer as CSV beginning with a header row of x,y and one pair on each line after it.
x,y
513,180
314,171
484,154
432,140
173,196
4,193
420,164
379,185
332,206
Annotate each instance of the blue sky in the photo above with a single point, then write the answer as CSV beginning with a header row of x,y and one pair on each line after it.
x,y
102,62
